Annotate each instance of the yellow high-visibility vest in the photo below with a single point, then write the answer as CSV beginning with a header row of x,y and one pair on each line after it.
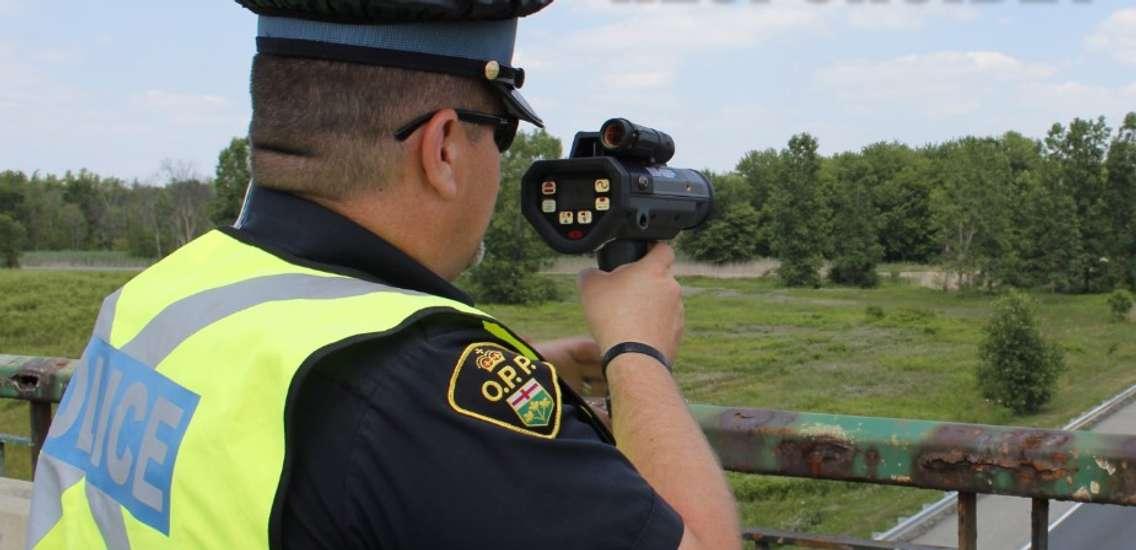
x,y
172,430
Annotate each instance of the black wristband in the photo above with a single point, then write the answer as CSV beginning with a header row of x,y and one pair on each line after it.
x,y
633,347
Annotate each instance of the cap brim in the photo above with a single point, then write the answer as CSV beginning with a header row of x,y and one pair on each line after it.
x,y
516,105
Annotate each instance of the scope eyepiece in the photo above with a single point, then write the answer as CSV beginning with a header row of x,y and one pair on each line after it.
x,y
623,138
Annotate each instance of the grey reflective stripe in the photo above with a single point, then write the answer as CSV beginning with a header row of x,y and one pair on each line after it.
x,y
181,319
52,477
108,516
169,328
106,316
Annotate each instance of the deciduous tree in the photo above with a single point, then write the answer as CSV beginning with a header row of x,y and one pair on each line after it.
x,y
855,223
798,215
229,182
11,241
1078,153
1120,199
513,251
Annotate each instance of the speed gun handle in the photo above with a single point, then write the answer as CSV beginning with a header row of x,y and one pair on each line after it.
x,y
620,252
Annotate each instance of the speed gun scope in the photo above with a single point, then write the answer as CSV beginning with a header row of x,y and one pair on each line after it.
x,y
614,194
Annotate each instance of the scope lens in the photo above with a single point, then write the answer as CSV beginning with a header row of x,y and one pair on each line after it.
x,y
613,134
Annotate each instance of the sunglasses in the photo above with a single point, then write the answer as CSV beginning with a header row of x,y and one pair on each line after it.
x,y
504,128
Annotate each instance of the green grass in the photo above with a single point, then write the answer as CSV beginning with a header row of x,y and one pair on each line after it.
x,y
48,313
748,343
751,343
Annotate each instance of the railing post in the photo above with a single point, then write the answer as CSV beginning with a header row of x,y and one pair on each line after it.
x,y
40,382
1039,524
41,421
968,521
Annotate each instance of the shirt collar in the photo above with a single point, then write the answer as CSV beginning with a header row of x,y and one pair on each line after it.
x,y
287,223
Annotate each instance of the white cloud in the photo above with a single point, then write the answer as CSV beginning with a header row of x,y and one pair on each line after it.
x,y
875,15
938,84
906,16
63,125
644,45
1116,36
1072,99
27,87
939,96
668,30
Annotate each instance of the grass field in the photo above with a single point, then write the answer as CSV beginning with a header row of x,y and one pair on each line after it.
x,y
748,343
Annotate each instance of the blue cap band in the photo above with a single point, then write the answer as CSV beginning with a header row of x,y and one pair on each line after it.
x,y
482,40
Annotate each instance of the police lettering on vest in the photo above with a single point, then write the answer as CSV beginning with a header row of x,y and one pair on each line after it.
x,y
121,423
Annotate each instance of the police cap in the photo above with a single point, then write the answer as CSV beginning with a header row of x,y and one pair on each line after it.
x,y
469,38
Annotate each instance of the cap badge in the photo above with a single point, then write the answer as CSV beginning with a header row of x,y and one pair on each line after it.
x,y
492,70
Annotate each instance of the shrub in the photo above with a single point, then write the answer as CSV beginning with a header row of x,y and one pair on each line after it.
x,y
12,237
854,270
1120,303
502,281
1017,368
731,237
874,313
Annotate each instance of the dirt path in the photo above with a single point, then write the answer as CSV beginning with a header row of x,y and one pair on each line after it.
x,y
570,265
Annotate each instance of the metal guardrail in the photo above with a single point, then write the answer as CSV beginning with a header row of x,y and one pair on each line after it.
x,y
918,523
40,381
969,458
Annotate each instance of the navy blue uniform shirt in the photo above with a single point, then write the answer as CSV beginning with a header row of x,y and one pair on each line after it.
x,y
380,458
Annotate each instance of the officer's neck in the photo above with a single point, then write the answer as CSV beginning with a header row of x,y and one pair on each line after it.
x,y
399,221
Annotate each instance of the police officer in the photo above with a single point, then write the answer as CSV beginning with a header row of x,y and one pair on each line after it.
x,y
311,378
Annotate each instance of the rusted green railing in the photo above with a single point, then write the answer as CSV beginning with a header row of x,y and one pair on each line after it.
x,y
40,381
968,458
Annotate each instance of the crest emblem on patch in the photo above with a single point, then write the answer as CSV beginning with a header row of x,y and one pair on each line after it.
x,y
489,359
502,387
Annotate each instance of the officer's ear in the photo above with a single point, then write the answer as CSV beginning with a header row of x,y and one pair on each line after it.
x,y
440,150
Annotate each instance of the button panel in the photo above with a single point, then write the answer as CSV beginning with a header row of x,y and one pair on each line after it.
x,y
575,205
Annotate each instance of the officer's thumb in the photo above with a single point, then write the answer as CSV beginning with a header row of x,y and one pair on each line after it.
x,y
661,256
586,276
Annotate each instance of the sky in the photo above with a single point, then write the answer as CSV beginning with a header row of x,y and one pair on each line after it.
x,y
119,87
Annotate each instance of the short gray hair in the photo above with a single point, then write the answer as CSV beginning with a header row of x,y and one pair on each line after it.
x,y
325,128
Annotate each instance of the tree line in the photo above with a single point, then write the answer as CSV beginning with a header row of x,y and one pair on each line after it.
x,y
85,211
1056,213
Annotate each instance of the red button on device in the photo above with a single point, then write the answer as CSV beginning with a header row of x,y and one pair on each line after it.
x,y
575,234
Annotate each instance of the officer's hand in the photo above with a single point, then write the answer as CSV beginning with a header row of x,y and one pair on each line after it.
x,y
577,362
638,302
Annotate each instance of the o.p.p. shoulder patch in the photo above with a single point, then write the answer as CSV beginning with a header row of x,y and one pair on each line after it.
x,y
502,387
